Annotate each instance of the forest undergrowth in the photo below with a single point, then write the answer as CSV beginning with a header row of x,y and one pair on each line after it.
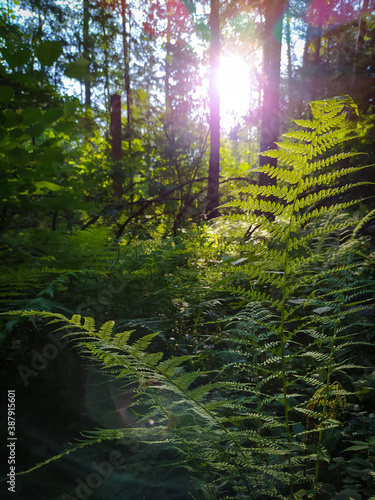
x,y
243,347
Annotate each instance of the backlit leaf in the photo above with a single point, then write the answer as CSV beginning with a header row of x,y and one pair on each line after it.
x,y
48,52
48,185
77,69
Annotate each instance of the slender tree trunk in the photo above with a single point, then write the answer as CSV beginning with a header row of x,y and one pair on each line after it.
x,y
86,50
289,58
317,54
214,165
107,96
40,24
126,50
309,34
270,109
168,57
362,27
117,174
318,45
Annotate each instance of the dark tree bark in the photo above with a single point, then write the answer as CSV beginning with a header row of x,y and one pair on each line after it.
x,y
107,96
309,36
318,45
214,165
270,109
168,57
117,174
289,56
126,50
86,50
362,27
318,38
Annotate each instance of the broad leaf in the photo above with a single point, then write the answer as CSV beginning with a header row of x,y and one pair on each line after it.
x,y
48,52
77,69
48,185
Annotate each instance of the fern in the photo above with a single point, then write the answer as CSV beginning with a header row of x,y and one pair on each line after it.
x,y
290,271
248,419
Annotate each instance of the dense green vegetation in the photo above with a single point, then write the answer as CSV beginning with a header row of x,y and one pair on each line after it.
x,y
156,349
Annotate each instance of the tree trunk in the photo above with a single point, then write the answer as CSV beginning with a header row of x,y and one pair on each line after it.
x,y
362,26
309,35
289,58
86,50
214,165
117,174
168,57
270,108
318,44
107,96
125,42
126,46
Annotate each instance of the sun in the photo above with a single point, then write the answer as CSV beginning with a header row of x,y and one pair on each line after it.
x,y
235,88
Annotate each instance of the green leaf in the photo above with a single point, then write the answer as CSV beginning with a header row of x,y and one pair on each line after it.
x,y
106,329
53,154
348,494
48,185
123,337
11,119
321,310
77,69
64,127
89,324
52,115
70,108
16,57
357,447
19,156
48,52
36,129
31,116
76,319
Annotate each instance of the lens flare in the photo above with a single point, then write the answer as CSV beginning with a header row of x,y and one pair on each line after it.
x,y
235,87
